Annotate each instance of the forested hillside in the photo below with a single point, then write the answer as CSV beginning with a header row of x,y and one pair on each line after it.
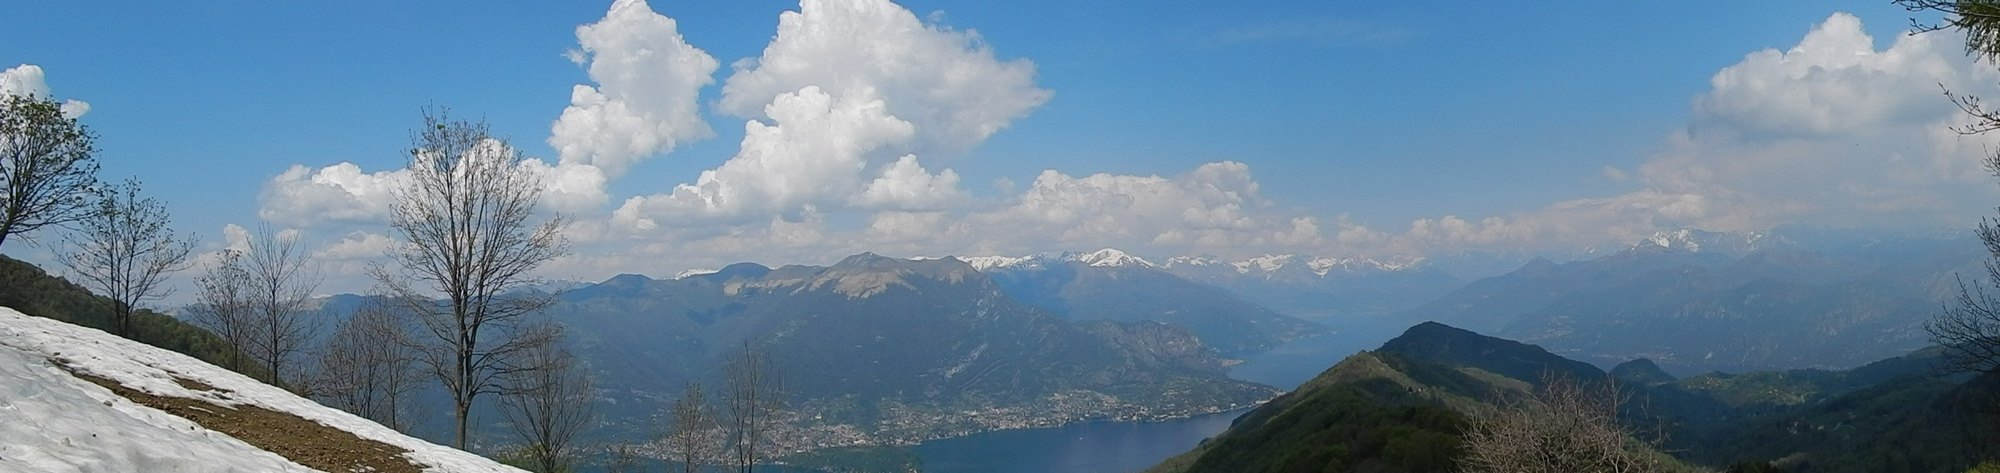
x,y
33,291
1410,406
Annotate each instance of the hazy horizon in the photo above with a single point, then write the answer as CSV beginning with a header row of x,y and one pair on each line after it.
x,y
682,136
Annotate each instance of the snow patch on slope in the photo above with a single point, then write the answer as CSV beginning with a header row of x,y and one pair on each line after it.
x,y
58,423
75,426
688,273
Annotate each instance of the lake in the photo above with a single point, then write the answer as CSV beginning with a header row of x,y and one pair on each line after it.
x,y
1117,447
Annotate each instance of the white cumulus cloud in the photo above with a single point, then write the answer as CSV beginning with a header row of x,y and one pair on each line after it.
x,y
1215,206
812,153
646,99
1832,81
1831,131
949,83
905,184
303,196
29,80
344,195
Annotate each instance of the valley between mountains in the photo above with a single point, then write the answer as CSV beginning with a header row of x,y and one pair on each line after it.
x,y
882,351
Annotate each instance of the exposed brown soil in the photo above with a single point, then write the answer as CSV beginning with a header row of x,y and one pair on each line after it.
x,y
191,384
302,441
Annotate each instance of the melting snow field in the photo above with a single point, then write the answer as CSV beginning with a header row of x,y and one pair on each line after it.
x,y
53,422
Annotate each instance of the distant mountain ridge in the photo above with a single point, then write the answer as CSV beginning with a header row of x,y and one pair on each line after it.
x,y
877,350
1698,301
1696,241
1275,263
1403,408
1109,284
1107,257
1322,288
1261,265
1399,408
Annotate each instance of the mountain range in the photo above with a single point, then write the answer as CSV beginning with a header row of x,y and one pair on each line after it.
x,y
1405,407
1696,301
880,350
886,350
1112,285
1323,289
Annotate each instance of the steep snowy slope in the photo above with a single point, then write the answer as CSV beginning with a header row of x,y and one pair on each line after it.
x,y
75,399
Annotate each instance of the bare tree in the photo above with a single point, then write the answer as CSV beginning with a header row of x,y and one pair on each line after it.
x,y
124,249
694,436
220,305
48,165
281,279
624,458
1978,19
1565,427
464,212
1969,326
368,367
549,403
754,399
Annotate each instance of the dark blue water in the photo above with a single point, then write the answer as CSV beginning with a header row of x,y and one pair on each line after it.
x,y
1292,364
1080,448
1118,447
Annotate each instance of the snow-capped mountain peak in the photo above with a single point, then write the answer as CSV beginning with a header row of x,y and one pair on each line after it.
x,y
1257,266
1321,266
1677,239
984,263
1696,241
1200,261
1112,257
1108,257
1266,263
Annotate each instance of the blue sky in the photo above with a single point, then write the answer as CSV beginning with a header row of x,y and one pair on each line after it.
x,y
1376,128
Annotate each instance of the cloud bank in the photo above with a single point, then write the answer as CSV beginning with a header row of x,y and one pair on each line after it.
x,y
853,107
1831,131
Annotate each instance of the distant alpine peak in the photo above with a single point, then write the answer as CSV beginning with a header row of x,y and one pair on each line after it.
x,y
984,263
1202,260
1696,241
1112,257
1267,263
1320,266
1108,257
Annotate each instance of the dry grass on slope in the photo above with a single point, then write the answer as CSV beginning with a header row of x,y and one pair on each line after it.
x,y
300,440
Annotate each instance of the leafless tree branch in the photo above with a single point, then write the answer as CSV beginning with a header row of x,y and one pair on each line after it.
x,y
465,214
1567,426
124,250
548,402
